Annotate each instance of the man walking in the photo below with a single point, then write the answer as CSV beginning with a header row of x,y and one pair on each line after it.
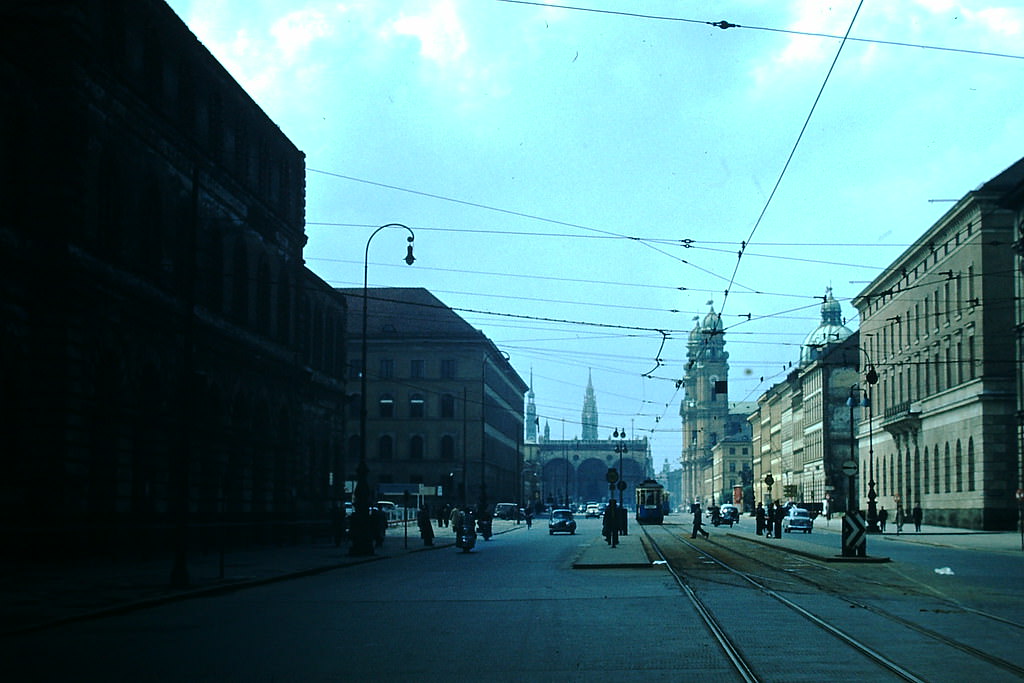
x,y
698,526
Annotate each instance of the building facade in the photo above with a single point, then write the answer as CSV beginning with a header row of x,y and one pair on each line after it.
x,y
169,363
934,325
704,409
573,470
444,405
802,426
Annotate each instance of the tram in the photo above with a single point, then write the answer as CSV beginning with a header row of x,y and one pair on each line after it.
x,y
651,502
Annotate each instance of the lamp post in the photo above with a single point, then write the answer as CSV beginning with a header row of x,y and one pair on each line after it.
x,y
362,528
621,449
872,379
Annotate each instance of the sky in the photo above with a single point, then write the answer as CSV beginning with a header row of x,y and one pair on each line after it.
x,y
584,177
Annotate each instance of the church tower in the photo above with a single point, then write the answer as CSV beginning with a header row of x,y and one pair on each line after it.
x,y
531,414
589,420
705,406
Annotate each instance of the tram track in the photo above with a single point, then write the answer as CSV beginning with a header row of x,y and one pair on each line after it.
x,y
760,582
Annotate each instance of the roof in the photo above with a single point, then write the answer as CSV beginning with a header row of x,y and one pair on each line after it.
x,y
405,313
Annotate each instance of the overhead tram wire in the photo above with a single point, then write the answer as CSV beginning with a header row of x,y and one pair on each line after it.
x,y
722,24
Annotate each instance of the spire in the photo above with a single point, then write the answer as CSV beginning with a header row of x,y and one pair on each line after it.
x,y
531,414
589,420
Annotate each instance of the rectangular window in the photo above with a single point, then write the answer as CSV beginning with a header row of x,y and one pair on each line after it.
x,y
416,368
387,369
448,369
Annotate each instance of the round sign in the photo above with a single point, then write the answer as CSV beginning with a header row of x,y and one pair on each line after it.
x,y
612,476
769,480
850,468
621,485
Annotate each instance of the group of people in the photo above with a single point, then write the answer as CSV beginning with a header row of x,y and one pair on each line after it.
x,y
915,514
768,521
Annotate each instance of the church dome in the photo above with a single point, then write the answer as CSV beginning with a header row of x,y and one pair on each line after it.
x,y
712,322
830,331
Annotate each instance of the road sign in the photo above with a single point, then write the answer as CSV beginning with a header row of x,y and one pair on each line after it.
x,y
612,476
854,534
622,485
850,468
769,480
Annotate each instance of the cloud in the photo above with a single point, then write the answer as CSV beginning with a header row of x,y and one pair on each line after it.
x,y
440,32
296,31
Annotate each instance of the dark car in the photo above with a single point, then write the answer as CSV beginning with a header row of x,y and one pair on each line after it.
x,y
561,520
730,514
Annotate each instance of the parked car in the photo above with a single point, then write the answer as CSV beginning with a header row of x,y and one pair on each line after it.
x,y
561,520
798,519
593,510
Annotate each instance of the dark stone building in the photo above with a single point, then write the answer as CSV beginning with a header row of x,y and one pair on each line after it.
x,y
168,361
444,405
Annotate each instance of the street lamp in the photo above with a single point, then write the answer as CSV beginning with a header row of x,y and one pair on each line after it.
x,y
621,449
362,529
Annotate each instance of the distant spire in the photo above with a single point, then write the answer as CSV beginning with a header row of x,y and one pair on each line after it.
x,y
531,414
589,421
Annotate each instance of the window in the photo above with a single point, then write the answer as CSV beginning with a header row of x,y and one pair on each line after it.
x,y
959,467
385,447
970,464
387,406
448,369
417,368
447,406
387,368
417,406
416,447
447,447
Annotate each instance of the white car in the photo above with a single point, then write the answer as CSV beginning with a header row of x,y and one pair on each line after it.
x,y
798,519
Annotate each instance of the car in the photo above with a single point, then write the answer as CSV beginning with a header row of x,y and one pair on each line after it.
x,y
592,510
505,510
729,513
798,519
562,521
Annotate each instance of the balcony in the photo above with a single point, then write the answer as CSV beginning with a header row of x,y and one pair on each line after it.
x,y
902,418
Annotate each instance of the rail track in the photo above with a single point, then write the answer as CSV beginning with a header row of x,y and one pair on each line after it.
x,y
879,639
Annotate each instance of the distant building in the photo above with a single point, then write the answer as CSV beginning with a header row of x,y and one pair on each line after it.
x,y
705,406
573,470
444,406
936,326
168,361
801,432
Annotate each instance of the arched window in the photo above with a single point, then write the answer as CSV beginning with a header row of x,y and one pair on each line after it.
x,y
925,472
959,467
387,406
447,447
947,466
385,447
970,464
417,406
416,447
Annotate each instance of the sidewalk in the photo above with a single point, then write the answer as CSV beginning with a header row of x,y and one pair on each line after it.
x,y
630,553
964,539
40,595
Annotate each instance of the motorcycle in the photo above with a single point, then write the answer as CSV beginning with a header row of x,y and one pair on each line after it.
x,y
466,536
484,527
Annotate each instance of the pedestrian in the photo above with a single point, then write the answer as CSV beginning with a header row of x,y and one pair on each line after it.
x,y
455,518
610,524
899,520
883,517
379,521
917,514
529,517
759,517
698,525
446,513
780,512
426,525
